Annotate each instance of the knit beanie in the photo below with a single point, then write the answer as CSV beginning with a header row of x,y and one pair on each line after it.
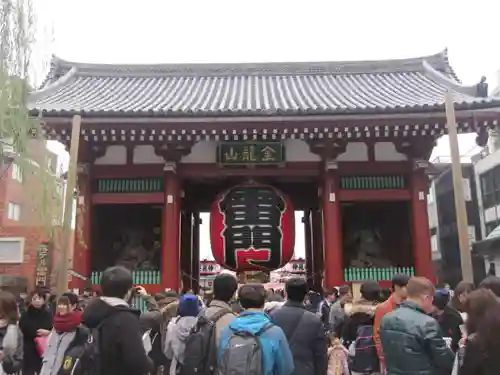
x,y
441,298
189,305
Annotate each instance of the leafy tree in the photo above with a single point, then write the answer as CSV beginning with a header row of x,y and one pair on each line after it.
x,y
22,140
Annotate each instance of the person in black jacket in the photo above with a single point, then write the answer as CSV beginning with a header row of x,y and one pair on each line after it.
x,y
448,318
121,348
35,322
361,313
303,330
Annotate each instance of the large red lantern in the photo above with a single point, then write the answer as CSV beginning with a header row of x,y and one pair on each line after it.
x,y
252,227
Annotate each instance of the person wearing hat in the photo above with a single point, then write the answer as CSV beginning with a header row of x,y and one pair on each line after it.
x,y
399,294
178,330
448,318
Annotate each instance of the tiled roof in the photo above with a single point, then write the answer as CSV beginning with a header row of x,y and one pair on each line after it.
x,y
388,86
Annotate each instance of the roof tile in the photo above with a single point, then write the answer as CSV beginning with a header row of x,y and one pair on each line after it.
x,y
252,89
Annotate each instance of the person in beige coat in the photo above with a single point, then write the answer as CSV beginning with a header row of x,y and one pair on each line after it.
x,y
224,288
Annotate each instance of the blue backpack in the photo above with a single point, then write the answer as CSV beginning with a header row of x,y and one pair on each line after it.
x,y
363,352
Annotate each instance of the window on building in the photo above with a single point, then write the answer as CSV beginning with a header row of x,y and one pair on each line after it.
x,y
434,243
11,250
431,195
14,211
490,226
490,187
17,173
467,190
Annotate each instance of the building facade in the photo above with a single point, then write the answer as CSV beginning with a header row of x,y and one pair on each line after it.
x,y
347,142
443,223
24,229
487,178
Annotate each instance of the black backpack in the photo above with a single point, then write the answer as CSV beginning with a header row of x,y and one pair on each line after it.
x,y
365,359
201,348
83,355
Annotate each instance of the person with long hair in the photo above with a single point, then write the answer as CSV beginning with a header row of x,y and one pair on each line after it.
x,y
11,344
483,334
35,322
461,294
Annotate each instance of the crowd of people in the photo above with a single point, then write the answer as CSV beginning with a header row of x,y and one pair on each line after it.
x,y
248,330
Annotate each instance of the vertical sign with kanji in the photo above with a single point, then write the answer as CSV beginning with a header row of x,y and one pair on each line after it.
x,y
42,265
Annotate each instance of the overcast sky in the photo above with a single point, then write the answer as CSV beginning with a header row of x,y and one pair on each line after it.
x,y
164,31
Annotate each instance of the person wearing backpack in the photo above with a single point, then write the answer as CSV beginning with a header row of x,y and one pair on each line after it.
x,y
303,330
358,331
178,331
67,333
224,288
115,327
251,344
201,344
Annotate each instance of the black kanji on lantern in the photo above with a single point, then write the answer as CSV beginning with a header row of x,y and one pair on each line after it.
x,y
252,219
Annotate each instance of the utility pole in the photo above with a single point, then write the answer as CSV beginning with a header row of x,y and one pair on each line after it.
x,y
458,189
62,264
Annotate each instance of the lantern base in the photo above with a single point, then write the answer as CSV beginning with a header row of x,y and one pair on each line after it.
x,y
249,277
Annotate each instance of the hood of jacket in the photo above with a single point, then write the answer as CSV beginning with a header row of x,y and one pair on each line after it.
x,y
250,321
178,332
99,309
182,327
362,306
271,306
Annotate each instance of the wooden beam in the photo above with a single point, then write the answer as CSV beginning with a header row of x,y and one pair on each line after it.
x,y
128,198
374,195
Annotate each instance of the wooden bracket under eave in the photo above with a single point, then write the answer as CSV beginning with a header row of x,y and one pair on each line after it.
x,y
328,149
173,152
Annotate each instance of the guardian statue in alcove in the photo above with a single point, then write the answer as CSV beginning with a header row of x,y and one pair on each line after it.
x,y
367,245
133,254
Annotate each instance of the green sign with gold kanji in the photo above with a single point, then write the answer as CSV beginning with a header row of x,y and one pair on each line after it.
x,y
235,153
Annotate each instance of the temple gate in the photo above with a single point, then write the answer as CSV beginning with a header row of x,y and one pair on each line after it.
x,y
348,143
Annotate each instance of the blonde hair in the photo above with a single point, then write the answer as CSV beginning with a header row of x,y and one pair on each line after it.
x,y
419,286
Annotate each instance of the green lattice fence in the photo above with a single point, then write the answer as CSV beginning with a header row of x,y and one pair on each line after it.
x,y
372,182
129,185
376,274
139,303
139,277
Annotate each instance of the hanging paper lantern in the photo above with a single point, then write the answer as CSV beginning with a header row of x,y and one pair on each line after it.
x,y
252,227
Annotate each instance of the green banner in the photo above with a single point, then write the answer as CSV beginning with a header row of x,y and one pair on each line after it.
x,y
235,153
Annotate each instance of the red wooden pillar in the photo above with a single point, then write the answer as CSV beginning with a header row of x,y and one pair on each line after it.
x,y
332,230
82,254
422,253
170,276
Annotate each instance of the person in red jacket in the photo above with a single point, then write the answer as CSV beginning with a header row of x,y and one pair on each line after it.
x,y
399,294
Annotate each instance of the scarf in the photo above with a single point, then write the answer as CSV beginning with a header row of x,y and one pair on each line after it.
x,y
67,322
